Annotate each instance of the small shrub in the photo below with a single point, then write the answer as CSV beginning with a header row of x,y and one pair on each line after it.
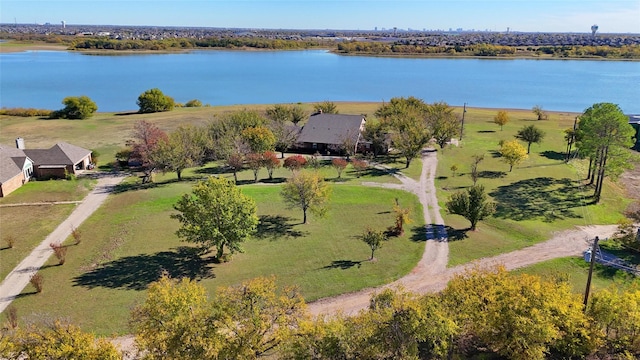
x,y
339,164
60,252
12,316
77,235
359,165
10,240
37,281
295,162
193,103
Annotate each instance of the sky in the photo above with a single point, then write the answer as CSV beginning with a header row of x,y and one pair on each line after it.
x,y
612,16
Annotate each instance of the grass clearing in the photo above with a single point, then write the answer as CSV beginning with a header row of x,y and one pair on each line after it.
x,y
30,225
575,270
540,196
130,240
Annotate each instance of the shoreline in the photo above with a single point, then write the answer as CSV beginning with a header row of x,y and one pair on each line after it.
x,y
10,47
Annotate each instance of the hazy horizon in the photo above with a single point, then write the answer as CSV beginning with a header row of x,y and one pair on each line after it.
x,y
558,16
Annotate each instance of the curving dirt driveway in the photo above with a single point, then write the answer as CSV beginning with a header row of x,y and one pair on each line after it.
x,y
431,274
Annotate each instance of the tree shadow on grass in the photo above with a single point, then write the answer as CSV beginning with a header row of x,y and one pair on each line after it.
x,y
486,131
342,264
274,227
137,272
542,198
492,174
456,234
553,155
214,170
124,187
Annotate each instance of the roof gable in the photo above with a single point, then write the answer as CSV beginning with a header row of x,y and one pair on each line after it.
x,y
331,128
8,167
60,154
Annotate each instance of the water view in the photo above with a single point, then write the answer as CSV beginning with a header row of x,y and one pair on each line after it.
x,y
41,79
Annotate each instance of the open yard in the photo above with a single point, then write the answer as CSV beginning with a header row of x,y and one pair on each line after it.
x,y
29,225
130,240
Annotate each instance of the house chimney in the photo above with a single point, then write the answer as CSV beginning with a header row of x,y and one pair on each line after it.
x,y
20,143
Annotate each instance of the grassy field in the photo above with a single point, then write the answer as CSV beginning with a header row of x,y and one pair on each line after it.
x,y
29,225
575,270
129,241
540,196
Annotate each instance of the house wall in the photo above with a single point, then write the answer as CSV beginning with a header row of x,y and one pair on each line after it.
x,y
9,186
57,173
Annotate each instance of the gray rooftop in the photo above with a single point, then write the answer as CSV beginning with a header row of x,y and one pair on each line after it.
x,y
330,128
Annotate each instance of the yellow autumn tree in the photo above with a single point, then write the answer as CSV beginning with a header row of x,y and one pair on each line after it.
x,y
513,153
501,118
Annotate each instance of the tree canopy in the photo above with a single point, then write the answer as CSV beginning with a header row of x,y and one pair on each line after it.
x,y
183,148
471,204
216,215
604,135
513,153
530,134
501,118
306,191
153,100
76,107
442,123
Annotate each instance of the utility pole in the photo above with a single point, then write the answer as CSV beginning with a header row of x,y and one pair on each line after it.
x,y
464,110
593,260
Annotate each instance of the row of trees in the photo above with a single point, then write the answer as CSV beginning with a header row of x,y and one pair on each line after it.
x,y
410,124
481,313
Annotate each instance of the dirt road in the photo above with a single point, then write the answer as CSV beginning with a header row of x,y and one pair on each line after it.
x,y
19,277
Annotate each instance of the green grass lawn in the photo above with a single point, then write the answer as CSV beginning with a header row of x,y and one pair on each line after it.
x,y
130,240
30,225
575,270
540,196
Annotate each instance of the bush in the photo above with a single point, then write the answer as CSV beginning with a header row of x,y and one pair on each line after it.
x,y
37,281
60,252
295,162
12,316
76,107
154,100
76,234
10,240
193,103
25,112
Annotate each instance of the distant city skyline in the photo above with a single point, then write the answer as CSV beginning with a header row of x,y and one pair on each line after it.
x,y
612,16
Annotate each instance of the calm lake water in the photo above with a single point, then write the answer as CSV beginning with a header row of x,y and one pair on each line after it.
x,y
41,79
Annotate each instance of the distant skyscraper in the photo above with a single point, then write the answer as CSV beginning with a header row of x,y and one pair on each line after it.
x,y
64,24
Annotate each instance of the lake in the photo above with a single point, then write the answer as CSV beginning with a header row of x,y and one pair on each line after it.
x,y
41,79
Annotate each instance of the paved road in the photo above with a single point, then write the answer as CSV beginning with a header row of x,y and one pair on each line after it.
x,y
19,277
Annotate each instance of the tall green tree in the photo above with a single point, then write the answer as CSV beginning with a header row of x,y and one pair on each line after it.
x,y
471,204
154,100
442,123
605,135
76,107
216,215
225,133
306,191
530,134
377,134
183,148
405,118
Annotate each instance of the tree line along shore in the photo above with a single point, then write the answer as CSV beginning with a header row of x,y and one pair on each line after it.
x,y
626,48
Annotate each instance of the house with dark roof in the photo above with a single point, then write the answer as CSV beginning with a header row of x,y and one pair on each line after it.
x,y
15,169
18,165
331,132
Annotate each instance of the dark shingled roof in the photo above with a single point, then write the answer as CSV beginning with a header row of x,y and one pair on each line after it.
x,y
11,162
60,154
330,128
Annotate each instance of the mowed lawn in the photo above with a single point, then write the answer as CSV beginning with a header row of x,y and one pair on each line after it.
x,y
30,225
540,196
130,241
